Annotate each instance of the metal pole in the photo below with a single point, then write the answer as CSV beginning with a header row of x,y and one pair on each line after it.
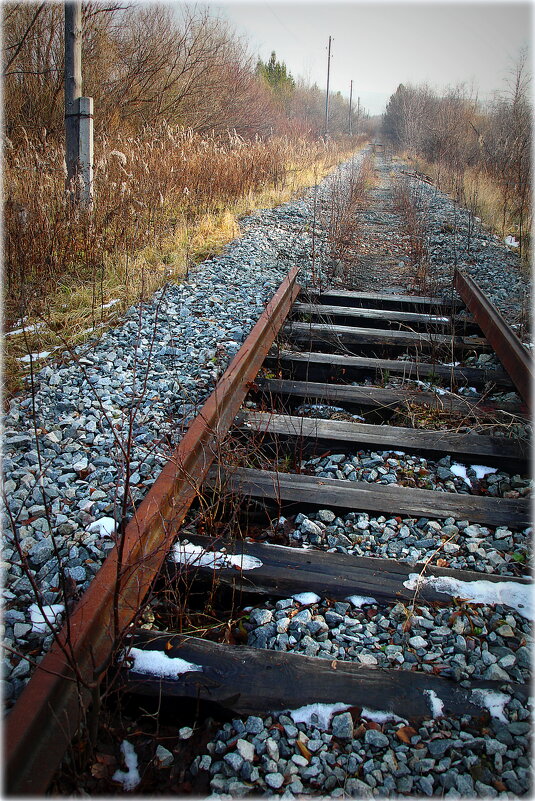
x,y
73,85
350,103
327,98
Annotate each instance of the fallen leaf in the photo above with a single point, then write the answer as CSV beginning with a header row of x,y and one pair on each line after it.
x,y
371,724
304,750
99,771
333,664
405,733
106,759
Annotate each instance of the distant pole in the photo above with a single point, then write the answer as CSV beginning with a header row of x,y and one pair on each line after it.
x,y
78,112
350,104
327,98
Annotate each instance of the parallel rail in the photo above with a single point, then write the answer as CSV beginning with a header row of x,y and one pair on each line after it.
x,y
507,346
52,706
50,709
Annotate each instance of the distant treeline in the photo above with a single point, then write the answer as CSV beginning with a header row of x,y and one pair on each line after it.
x,y
148,64
458,136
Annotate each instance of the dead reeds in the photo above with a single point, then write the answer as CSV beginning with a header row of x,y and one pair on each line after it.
x,y
163,200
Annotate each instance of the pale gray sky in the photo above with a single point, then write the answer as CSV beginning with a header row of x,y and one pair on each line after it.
x,y
380,44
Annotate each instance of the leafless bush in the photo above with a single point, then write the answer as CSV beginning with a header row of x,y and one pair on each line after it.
x,y
469,145
340,217
409,204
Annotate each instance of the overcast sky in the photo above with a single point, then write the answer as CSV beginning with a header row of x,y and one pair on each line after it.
x,y
380,44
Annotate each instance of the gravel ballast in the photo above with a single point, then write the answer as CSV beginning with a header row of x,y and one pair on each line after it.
x,y
64,444
64,470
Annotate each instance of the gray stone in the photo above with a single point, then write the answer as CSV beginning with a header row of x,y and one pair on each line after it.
x,y
495,673
20,630
234,760
417,642
311,528
245,749
519,727
164,758
342,726
426,784
254,725
274,780
437,748
375,738
357,788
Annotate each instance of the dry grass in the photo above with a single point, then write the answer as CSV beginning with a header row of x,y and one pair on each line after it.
x,y
163,202
482,195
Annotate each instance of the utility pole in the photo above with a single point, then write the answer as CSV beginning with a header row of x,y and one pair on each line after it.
x,y
350,103
327,98
78,112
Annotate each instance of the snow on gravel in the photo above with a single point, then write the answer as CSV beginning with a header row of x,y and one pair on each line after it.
x,y
323,713
508,593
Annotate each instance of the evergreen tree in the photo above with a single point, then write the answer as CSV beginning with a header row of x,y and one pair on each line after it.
x,y
276,75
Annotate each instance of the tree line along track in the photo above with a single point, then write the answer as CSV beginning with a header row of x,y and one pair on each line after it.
x,y
343,337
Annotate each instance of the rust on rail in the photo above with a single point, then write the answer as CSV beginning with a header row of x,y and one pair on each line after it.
x,y
512,354
52,705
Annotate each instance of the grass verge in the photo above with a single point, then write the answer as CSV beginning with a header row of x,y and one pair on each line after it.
x,y
60,290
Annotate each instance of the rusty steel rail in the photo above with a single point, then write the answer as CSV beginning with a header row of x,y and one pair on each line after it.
x,y
514,357
53,704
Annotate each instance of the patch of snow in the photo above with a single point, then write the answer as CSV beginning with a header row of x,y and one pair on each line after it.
x,y
185,553
111,303
435,703
47,619
324,712
105,526
306,598
430,387
380,716
157,663
460,470
399,453
481,471
129,778
321,406
35,356
92,329
29,330
361,600
435,319
492,700
511,241
509,593
450,364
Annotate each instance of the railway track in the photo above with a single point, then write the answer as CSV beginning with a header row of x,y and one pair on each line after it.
x,y
331,350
